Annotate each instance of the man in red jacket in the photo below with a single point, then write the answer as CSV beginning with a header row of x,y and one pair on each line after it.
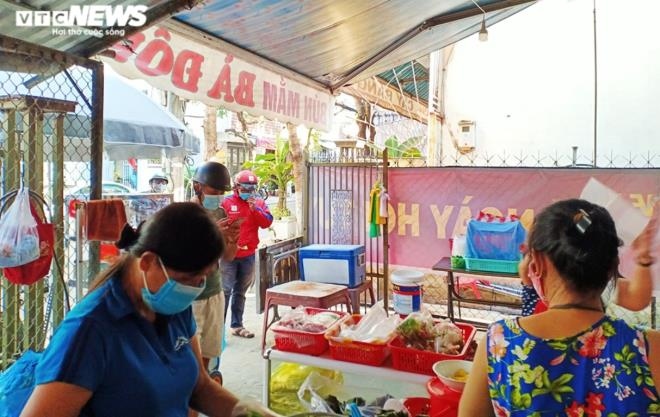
x,y
238,275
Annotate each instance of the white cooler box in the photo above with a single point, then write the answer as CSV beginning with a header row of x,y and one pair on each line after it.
x,y
333,264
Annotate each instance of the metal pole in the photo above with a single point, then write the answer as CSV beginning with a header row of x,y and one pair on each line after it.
x,y
386,240
595,91
79,249
96,162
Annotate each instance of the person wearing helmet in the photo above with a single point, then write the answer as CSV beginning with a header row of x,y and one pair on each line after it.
x,y
210,182
158,183
238,274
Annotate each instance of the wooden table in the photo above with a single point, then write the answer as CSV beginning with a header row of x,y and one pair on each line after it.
x,y
444,265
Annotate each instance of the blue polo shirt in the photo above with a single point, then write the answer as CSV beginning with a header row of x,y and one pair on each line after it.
x,y
134,368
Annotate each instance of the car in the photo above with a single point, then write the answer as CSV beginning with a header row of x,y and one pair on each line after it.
x,y
82,193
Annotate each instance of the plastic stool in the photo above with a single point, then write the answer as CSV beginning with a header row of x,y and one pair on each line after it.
x,y
303,293
354,293
470,283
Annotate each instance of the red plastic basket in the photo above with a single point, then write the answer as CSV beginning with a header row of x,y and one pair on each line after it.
x,y
353,351
421,361
298,341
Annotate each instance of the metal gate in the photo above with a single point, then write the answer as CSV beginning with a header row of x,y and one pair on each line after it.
x,y
337,206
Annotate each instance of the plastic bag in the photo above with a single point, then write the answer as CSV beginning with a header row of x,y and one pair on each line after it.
x,y
17,384
33,271
374,327
286,381
19,238
495,238
315,388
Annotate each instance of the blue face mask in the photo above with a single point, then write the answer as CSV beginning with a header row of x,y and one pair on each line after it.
x,y
212,202
172,297
245,196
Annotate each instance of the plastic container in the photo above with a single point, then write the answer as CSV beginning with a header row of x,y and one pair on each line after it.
x,y
354,351
298,341
406,291
422,361
459,246
492,265
445,371
444,401
417,406
333,264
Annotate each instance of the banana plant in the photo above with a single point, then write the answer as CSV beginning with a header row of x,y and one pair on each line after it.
x,y
275,169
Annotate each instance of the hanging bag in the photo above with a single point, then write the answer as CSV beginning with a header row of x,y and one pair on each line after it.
x,y
19,236
34,271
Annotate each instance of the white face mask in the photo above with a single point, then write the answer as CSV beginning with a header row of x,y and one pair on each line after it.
x,y
159,188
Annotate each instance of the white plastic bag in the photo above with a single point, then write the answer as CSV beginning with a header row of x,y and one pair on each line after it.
x,y
19,239
374,327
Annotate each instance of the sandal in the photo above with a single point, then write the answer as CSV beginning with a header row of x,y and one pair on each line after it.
x,y
242,332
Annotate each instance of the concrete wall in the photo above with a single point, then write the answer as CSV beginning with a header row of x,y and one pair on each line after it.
x,y
530,87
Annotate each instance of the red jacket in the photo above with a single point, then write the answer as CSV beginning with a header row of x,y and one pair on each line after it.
x,y
259,217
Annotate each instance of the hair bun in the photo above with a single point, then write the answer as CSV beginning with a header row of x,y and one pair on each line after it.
x,y
128,237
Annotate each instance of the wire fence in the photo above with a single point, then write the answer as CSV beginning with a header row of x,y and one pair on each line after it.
x,y
46,124
475,159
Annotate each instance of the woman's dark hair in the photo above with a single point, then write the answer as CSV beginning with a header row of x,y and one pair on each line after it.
x,y
581,241
183,235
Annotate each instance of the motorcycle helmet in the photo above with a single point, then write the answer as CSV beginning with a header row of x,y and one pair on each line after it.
x,y
213,174
246,180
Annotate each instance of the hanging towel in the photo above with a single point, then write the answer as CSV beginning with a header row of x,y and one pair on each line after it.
x,y
374,228
105,219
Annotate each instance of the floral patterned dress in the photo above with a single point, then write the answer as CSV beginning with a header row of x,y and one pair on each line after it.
x,y
603,371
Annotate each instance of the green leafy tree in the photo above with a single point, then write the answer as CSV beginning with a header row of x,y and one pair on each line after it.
x,y
404,149
275,169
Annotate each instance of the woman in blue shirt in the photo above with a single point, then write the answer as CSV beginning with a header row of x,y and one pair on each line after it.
x,y
571,360
128,348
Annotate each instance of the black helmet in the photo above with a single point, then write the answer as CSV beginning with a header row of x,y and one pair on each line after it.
x,y
213,174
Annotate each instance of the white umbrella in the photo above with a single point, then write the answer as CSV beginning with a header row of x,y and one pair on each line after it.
x,y
134,126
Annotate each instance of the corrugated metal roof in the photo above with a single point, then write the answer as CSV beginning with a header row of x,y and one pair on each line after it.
x,y
328,39
412,78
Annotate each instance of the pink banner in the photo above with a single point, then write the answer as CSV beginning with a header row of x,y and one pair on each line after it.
x,y
430,205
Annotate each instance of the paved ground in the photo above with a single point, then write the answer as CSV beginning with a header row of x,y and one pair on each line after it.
x,y
241,363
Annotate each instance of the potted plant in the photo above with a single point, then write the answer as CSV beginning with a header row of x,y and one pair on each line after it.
x,y
276,170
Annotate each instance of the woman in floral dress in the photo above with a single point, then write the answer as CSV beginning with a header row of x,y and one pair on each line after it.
x,y
571,360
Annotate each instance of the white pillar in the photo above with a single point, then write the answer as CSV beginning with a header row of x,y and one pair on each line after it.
x,y
434,148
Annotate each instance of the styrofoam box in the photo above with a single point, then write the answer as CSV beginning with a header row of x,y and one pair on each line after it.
x,y
333,264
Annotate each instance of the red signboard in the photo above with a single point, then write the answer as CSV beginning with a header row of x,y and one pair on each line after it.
x,y
430,205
